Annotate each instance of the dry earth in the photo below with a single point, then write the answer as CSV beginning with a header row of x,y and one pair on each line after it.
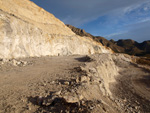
x,y
98,83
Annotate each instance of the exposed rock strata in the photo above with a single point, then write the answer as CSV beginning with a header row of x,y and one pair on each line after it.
x,y
27,30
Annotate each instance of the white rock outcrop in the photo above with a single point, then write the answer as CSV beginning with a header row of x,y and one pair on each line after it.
x,y
105,69
27,30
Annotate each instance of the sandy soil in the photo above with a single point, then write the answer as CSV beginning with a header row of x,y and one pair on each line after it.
x,y
22,87
133,89
38,79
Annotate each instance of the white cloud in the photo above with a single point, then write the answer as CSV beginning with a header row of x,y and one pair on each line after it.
x,y
138,32
83,11
115,34
122,17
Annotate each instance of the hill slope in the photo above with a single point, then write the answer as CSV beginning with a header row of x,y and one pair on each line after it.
x,y
27,30
121,46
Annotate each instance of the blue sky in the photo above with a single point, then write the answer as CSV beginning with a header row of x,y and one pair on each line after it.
x,y
112,19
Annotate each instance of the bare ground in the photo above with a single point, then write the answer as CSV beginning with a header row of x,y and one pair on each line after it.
x,y
26,88
133,89
38,79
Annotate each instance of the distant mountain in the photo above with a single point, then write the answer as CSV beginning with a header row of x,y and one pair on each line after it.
x,y
121,46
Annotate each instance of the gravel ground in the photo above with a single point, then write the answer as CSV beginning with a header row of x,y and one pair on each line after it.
x,y
33,85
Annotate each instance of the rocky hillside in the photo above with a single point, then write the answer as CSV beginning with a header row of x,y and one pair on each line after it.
x,y
27,30
121,46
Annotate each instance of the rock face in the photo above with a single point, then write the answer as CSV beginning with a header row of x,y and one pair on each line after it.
x,y
80,32
27,30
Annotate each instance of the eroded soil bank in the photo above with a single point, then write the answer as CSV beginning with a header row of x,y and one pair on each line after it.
x,y
98,83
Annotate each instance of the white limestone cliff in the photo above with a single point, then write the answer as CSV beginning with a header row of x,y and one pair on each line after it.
x,y
27,30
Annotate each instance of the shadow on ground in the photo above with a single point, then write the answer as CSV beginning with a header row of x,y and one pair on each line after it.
x,y
84,59
56,105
